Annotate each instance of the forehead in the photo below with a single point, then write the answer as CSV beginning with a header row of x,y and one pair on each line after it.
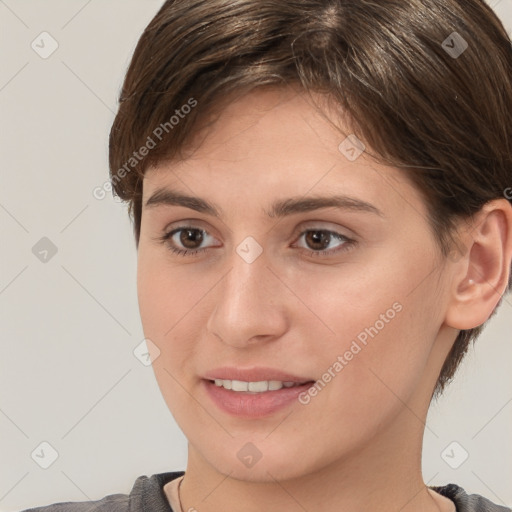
x,y
275,140
284,115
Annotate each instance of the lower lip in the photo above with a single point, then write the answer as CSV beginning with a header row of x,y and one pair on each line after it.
x,y
253,405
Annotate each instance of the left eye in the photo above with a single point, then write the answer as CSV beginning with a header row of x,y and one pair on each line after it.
x,y
191,238
323,238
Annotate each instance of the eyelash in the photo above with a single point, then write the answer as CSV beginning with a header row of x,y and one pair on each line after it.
x,y
348,242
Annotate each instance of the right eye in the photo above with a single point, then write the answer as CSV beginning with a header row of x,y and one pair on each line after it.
x,y
185,240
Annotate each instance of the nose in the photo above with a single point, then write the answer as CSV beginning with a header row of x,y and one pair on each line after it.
x,y
249,303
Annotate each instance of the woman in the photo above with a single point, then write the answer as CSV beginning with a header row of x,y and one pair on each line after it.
x,y
320,194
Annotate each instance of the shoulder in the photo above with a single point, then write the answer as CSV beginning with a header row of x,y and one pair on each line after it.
x,y
146,494
469,502
110,503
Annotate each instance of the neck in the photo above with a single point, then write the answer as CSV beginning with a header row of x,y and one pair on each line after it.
x,y
383,475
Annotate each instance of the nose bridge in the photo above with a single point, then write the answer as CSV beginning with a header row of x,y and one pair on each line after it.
x,y
246,285
246,304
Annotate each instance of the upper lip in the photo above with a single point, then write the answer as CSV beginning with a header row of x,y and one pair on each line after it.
x,y
255,374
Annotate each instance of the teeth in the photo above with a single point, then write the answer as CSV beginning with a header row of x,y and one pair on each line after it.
x,y
274,385
254,387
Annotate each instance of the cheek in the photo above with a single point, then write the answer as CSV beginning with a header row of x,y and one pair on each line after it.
x,y
380,332
160,303
172,302
166,293
166,304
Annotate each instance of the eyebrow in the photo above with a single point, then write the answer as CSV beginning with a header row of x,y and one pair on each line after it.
x,y
282,208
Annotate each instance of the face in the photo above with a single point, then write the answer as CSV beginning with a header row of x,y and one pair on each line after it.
x,y
346,297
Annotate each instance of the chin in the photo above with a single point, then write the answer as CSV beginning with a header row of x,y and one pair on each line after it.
x,y
277,465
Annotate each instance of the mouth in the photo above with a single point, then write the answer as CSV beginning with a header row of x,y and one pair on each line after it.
x,y
254,399
253,392
254,376
256,387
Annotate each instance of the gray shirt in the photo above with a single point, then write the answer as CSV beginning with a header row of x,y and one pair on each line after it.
x,y
147,495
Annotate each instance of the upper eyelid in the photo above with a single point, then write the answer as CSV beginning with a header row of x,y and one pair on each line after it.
x,y
347,242
299,231
303,226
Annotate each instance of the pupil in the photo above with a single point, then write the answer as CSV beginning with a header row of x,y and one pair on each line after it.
x,y
187,235
318,237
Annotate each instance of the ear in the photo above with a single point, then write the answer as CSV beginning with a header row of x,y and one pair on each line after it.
x,y
482,273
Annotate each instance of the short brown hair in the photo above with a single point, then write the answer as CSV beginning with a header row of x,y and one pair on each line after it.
x,y
426,85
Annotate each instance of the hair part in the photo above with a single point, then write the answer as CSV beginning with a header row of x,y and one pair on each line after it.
x,y
385,66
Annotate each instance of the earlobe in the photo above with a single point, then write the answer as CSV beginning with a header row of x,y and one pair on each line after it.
x,y
482,274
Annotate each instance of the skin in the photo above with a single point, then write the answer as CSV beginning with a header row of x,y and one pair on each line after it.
x,y
357,444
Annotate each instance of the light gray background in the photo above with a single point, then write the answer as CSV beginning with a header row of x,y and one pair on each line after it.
x,y
69,326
